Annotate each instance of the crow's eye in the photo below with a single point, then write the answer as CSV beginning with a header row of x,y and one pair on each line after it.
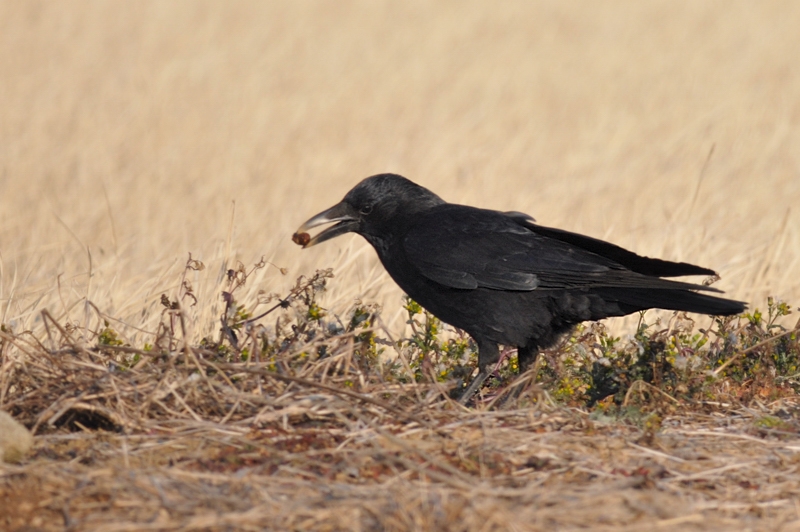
x,y
365,210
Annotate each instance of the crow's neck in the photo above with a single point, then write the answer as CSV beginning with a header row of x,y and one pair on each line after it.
x,y
388,239
384,245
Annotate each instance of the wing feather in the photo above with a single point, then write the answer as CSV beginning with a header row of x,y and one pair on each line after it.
x,y
468,248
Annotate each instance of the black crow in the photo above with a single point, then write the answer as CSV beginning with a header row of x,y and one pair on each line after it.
x,y
498,275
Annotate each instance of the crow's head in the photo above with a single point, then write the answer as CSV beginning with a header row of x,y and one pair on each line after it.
x,y
374,208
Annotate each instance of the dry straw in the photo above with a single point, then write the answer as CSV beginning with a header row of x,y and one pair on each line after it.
x,y
201,435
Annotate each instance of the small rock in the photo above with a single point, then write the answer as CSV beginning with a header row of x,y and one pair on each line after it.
x,y
15,439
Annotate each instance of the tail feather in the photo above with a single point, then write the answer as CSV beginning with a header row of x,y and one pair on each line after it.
x,y
633,300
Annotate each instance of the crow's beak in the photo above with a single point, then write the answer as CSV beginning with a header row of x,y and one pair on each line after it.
x,y
341,212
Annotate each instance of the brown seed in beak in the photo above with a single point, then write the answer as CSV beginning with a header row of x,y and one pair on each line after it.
x,y
301,239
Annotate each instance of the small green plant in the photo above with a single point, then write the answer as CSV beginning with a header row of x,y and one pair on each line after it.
x,y
108,336
434,357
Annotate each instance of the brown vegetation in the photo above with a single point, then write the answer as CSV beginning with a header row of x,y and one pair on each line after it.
x,y
313,424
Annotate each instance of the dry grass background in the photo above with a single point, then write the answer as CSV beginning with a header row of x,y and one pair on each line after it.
x,y
132,134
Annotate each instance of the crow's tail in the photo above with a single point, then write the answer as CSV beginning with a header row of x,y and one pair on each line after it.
x,y
635,299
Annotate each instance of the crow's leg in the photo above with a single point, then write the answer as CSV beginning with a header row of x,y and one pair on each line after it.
x,y
474,386
488,354
526,357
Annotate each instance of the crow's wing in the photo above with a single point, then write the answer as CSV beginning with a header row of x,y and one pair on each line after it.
x,y
627,259
464,247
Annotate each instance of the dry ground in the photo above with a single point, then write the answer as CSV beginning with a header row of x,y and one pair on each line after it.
x,y
135,133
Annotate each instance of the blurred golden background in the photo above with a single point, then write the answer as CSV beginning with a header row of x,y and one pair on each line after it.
x,y
135,133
